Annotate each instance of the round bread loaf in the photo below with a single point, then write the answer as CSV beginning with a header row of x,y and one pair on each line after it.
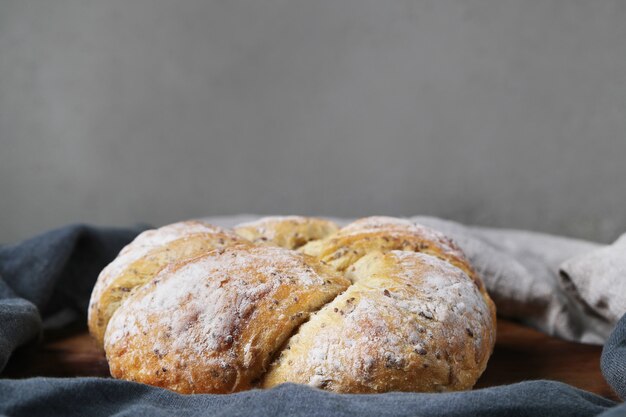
x,y
380,305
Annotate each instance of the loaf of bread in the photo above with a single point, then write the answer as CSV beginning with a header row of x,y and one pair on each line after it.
x,y
379,305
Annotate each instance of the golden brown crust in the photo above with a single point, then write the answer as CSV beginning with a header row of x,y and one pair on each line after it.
x,y
289,232
213,323
394,306
379,233
409,322
143,258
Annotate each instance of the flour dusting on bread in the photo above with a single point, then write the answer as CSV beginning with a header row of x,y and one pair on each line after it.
x,y
410,316
380,305
214,310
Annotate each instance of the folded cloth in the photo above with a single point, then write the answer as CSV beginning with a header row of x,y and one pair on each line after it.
x,y
46,281
51,276
98,397
597,279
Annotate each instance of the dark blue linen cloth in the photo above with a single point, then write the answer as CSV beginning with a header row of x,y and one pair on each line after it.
x,y
46,282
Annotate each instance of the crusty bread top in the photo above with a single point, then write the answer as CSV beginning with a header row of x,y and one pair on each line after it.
x,y
396,306
409,322
289,232
143,258
213,323
381,233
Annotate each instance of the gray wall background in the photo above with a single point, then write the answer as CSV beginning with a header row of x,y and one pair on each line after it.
x,y
495,112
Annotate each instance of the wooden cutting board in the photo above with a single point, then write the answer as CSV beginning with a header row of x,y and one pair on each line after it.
x,y
520,354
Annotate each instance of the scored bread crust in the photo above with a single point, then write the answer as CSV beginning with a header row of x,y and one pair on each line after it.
x,y
213,323
401,310
143,258
289,232
381,233
409,322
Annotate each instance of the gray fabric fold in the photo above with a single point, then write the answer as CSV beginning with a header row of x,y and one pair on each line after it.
x,y
597,279
97,397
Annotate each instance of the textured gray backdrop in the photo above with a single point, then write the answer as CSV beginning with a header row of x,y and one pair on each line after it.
x,y
495,112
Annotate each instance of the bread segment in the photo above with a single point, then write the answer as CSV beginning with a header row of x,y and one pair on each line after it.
x,y
380,233
290,232
143,258
409,322
213,323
